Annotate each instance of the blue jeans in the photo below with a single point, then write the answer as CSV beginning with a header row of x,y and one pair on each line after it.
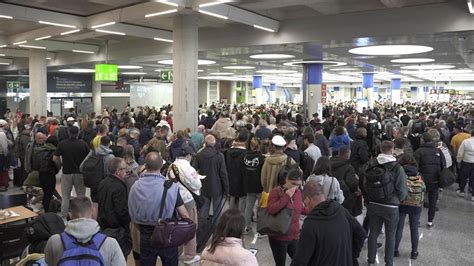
x,y
149,254
414,214
379,216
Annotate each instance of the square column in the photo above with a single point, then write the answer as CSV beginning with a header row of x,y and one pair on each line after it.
x,y
38,82
185,82
315,83
96,96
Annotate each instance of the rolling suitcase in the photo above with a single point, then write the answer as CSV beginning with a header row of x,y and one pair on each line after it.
x,y
207,225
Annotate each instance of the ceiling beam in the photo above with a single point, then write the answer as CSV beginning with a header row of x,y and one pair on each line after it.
x,y
66,46
20,53
392,3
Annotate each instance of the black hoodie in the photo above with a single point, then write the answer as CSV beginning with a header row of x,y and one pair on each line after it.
x,y
329,236
211,163
233,159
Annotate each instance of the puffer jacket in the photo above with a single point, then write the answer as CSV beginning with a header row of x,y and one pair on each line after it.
x,y
211,163
233,159
429,161
271,167
229,252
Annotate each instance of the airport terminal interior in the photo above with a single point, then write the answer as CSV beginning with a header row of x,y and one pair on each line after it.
x,y
170,81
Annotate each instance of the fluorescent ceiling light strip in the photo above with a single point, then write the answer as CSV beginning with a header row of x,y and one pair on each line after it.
x,y
32,46
7,17
1,63
162,40
84,52
17,43
263,28
111,32
69,32
133,73
212,14
42,38
2,54
213,3
161,13
57,24
3,46
168,3
470,5
103,25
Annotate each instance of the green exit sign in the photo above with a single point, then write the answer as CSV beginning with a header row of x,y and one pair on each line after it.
x,y
106,72
12,85
166,76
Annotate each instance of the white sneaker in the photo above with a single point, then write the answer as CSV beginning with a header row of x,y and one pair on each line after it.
x,y
460,193
429,224
196,258
472,198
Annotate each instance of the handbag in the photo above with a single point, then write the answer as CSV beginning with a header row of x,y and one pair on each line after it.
x,y
278,224
446,177
171,232
198,199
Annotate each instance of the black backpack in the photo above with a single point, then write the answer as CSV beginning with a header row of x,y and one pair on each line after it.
x,y
307,165
93,170
379,182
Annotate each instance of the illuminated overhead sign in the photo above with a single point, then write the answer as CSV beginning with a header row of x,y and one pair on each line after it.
x,y
106,72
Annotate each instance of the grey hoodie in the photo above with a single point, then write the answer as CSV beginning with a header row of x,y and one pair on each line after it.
x,y
103,151
83,229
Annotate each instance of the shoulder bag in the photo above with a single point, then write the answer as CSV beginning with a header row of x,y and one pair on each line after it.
x,y
278,224
446,177
171,232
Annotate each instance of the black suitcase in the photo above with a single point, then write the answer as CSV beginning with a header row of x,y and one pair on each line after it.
x,y
18,177
206,227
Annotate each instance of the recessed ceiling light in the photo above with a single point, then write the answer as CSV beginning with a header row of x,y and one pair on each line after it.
x,y
276,71
7,17
32,46
427,67
133,73
239,67
111,32
440,72
21,42
77,70
2,54
344,69
48,58
84,52
4,63
391,50
42,38
214,3
3,46
168,3
212,14
129,67
69,32
272,56
263,28
201,62
103,25
161,13
412,60
221,73
162,40
57,24
323,62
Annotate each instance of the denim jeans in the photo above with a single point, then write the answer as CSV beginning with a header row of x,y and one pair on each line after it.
x,y
204,211
149,254
250,203
433,191
280,249
67,181
414,214
382,216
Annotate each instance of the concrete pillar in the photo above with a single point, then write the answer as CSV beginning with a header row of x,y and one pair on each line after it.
x,y
96,96
315,81
368,85
396,85
359,93
38,82
185,56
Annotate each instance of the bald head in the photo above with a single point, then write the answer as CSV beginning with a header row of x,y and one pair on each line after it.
x,y
40,138
313,194
153,162
210,141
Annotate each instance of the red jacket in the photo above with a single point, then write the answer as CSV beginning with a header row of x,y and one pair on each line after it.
x,y
278,200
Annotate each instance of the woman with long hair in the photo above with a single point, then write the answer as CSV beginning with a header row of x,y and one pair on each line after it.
x,y
322,175
226,245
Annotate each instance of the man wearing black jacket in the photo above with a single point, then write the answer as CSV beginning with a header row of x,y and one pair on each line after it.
x,y
330,235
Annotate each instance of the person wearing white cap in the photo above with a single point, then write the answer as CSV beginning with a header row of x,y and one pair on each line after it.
x,y
4,179
274,163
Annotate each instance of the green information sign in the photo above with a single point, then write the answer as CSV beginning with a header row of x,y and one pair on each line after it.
x,y
106,72
13,85
166,76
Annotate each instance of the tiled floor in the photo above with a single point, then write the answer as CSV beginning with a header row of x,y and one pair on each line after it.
x,y
449,242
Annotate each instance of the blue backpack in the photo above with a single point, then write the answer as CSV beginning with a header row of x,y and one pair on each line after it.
x,y
84,254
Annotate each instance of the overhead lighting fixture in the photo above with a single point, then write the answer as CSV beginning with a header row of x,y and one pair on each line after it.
x,y
428,67
161,13
3,46
32,46
212,14
213,3
129,67
111,32
42,38
168,3
263,28
57,24
21,42
200,70
276,71
412,60
322,62
201,62
162,40
470,5
4,63
48,58
221,73
83,52
7,17
77,70
272,56
391,50
133,73
103,25
69,32
344,69
239,67
2,54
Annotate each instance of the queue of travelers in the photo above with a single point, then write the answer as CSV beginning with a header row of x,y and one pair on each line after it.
x,y
242,160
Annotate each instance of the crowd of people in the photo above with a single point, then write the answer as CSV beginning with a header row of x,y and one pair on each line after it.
x,y
240,157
